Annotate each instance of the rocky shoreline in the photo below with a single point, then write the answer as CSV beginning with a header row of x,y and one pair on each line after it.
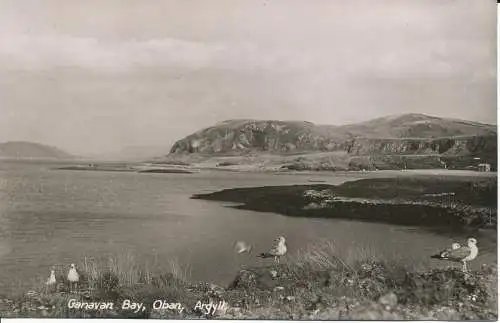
x,y
427,201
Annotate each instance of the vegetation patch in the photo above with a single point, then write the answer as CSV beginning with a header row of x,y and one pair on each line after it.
x,y
315,283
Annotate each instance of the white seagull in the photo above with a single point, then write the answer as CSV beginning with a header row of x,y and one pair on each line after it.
x,y
73,277
459,253
278,250
242,246
51,281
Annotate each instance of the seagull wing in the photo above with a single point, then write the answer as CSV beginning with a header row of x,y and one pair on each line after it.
x,y
275,250
459,254
242,246
455,254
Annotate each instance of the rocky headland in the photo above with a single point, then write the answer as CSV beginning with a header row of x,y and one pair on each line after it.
x,y
411,141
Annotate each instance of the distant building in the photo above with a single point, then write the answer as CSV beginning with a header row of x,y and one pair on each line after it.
x,y
484,167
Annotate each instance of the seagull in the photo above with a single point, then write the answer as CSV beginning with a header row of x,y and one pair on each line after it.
x,y
73,277
242,246
459,253
278,250
51,281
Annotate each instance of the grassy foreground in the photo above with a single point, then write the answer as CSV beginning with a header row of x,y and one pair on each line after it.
x,y
312,284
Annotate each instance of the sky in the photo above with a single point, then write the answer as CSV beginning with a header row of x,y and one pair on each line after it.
x,y
94,76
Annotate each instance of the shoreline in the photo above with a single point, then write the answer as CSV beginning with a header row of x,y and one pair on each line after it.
x,y
194,168
127,169
456,203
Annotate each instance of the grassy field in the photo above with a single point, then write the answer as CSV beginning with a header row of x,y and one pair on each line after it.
x,y
428,201
325,161
316,283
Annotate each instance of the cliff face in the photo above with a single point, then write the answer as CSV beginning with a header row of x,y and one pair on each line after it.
x,y
22,149
452,146
412,134
245,135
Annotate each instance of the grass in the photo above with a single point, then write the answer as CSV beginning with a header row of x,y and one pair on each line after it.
x,y
344,159
318,282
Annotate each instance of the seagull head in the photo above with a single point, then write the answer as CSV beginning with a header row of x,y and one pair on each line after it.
x,y
72,266
471,242
280,239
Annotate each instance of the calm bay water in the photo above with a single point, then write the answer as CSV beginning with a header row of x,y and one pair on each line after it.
x,y
56,217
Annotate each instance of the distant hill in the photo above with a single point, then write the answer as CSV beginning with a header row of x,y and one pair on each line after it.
x,y
295,136
407,134
417,126
24,149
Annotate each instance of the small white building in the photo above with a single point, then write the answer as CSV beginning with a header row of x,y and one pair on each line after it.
x,y
484,167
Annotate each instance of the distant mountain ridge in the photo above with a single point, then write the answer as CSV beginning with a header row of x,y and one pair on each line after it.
x,y
301,136
415,125
25,149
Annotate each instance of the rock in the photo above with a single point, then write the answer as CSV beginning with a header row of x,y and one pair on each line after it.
x,y
389,299
371,312
254,278
216,290
245,279
312,206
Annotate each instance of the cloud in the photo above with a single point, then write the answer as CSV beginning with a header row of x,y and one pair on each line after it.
x,y
47,51
333,59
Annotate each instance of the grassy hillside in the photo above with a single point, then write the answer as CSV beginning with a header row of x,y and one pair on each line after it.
x,y
411,141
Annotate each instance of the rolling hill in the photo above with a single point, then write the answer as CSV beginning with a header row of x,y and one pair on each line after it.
x,y
394,139
24,149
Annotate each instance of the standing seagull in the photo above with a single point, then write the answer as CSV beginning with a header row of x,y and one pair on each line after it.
x,y
461,254
242,246
51,281
73,277
278,250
